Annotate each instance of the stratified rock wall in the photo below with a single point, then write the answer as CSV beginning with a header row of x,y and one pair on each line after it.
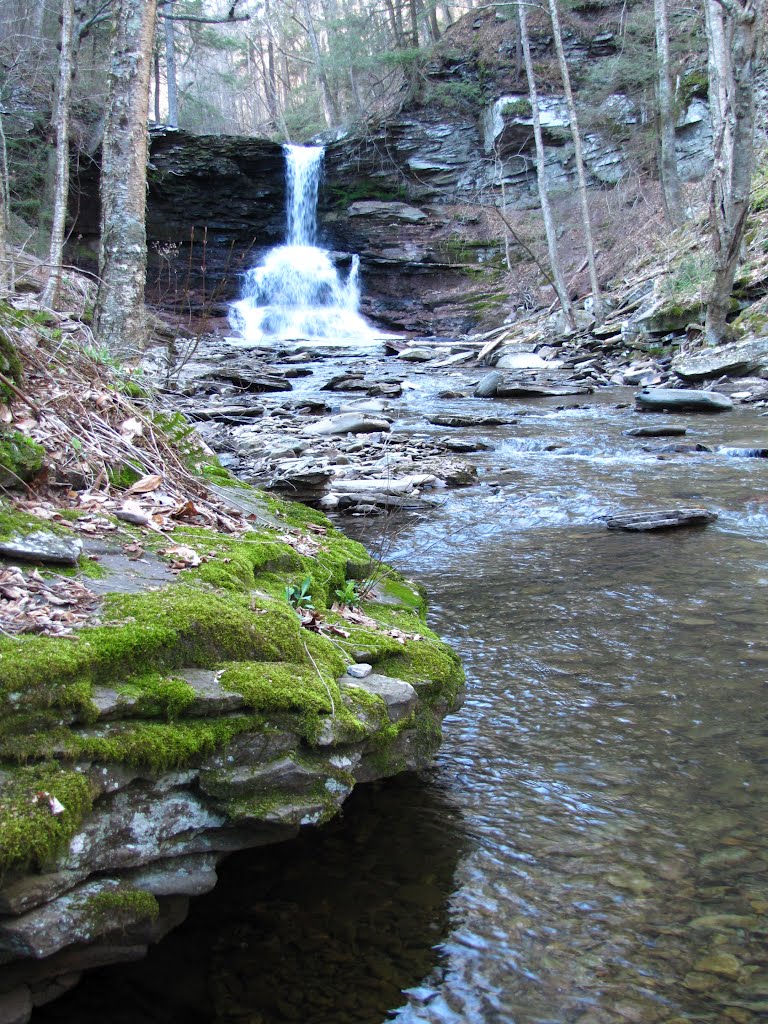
x,y
414,194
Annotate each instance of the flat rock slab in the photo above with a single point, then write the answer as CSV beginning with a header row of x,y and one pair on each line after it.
x,y
733,360
42,546
661,519
666,399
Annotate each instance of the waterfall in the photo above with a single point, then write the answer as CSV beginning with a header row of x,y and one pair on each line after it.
x,y
303,167
295,293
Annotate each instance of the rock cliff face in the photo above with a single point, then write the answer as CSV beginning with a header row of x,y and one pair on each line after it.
x,y
197,713
415,194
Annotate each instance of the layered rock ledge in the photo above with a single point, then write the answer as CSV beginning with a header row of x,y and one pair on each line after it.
x,y
218,697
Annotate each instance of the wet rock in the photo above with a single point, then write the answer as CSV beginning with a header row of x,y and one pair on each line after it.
x,y
744,453
661,519
533,389
487,386
664,430
459,445
42,546
684,449
664,399
468,420
347,423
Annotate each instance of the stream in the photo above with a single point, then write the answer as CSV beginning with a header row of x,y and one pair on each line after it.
x,y
590,844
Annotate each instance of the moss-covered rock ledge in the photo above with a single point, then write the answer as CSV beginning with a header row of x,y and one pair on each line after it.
x,y
199,710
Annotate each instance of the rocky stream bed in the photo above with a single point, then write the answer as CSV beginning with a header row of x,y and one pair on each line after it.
x,y
521,890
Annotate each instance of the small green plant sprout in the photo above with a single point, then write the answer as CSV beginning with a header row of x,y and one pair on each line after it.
x,y
349,595
298,595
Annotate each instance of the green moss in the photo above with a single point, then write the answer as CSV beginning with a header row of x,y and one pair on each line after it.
x,y
380,190
156,746
157,695
20,457
115,908
10,364
517,108
279,686
427,660
31,832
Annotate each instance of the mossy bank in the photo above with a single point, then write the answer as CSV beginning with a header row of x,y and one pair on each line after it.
x,y
201,708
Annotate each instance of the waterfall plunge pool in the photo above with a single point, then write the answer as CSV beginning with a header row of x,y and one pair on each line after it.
x,y
296,294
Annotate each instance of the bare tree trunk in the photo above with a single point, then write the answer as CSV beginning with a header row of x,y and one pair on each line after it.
x,y
597,299
170,66
434,27
330,110
156,89
670,178
395,12
6,266
546,209
61,186
119,318
733,33
414,10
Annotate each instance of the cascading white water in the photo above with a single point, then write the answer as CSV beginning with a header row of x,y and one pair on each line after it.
x,y
296,293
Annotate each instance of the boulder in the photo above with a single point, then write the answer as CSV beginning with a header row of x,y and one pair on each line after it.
x,y
670,399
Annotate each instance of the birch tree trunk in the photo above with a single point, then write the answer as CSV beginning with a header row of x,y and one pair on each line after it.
x,y
119,317
6,266
734,28
671,191
61,183
597,299
170,66
546,209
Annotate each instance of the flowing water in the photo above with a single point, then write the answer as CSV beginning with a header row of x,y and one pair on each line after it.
x,y
590,846
296,292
